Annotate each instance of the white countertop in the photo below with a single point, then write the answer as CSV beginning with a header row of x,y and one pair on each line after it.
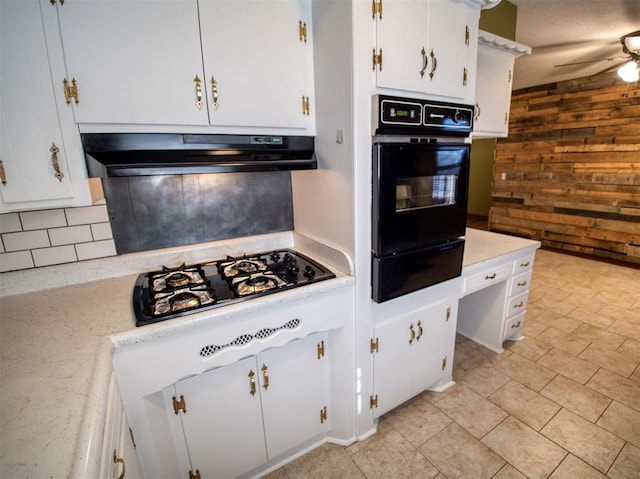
x,y
56,355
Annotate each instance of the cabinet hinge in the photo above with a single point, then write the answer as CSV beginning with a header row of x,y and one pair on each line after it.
x,y
376,8
320,349
70,91
179,405
323,415
194,475
377,59
53,2
133,439
465,76
467,35
448,313
444,363
510,76
3,175
302,31
374,345
305,105
373,402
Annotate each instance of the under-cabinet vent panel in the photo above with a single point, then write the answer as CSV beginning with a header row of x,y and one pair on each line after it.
x,y
243,339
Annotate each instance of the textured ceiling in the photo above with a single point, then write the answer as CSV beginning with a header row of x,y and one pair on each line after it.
x,y
570,31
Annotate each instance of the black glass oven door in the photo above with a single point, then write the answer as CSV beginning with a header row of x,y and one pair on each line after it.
x,y
419,195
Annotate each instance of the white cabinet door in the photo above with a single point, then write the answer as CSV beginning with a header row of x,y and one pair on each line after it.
x,y
453,32
30,124
254,53
222,425
493,95
127,450
297,394
428,46
134,61
401,35
410,354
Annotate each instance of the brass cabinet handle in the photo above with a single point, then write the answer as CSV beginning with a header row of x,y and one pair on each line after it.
x,y
523,283
465,76
493,276
478,111
420,331
434,64
467,35
413,334
524,265
54,160
252,383
3,175
198,83
424,62
519,305
265,376
214,91
517,325
119,460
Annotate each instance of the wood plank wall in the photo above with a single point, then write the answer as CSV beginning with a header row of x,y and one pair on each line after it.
x,y
569,172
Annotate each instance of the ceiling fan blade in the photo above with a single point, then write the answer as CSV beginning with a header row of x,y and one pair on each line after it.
x,y
610,68
611,59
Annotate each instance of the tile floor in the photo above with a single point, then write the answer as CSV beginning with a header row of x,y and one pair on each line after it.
x,y
562,403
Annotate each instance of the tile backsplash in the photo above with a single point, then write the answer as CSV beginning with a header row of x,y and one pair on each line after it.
x,y
31,239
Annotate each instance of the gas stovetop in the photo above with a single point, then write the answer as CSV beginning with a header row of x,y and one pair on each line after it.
x,y
173,292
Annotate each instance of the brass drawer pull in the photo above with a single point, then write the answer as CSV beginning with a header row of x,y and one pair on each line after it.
x,y
523,283
493,276
119,460
517,325
524,265
519,305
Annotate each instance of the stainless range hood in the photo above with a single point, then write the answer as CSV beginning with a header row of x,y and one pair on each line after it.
x,y
143,154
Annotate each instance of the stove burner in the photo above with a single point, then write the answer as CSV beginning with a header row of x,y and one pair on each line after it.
x,y
241,266
245,267
177,280
184,300
256,283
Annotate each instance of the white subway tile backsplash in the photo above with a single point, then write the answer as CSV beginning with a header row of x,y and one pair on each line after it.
x,y
55,255
101,231
97,249
39,220
15,261
87,215
25,240
10,223
70,235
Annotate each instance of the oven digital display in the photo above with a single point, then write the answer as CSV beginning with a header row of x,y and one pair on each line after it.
x,y
401,112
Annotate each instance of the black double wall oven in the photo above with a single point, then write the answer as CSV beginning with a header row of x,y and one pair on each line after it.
x,y
420,184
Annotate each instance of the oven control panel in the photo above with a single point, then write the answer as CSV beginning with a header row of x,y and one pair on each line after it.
x,y
400,116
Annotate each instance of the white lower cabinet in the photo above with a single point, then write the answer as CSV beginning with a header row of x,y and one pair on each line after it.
x,y
411,353
119,457
231,420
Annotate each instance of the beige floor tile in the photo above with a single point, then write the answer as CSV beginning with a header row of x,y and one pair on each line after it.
x,y
525,404
559,321
626,328
469,354
527,450
564,363
627,465
615,361
419,421
585,303
551,304
594,334
392,456
631,348
576,398
592,444
617,311
591,317
622,421
616,387
277,474
636,375
456,453
479,419
612,297
509,472
484,381
525,371
531,349
563,341
574,468
532,327
325,461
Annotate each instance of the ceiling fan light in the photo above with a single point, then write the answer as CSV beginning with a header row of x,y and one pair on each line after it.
x,y
632,44
629,72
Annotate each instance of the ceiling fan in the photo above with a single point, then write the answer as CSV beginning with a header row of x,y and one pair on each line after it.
x,y
630,70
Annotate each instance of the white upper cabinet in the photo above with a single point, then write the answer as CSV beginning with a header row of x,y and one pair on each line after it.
x,y
427,46
42,160
496,57
187,62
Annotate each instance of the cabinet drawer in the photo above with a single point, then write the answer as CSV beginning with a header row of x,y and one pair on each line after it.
x,y
516,305
523,264
486,278
514,326
520,283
